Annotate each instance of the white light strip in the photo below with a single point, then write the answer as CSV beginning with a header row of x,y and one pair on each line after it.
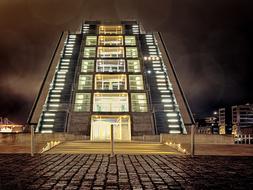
x,y
168,105
174,126
166,100
55,95
47,126
173,120
164,96
49,114
54,100
171,114
54,105
46,131
60,80
48,119
175,132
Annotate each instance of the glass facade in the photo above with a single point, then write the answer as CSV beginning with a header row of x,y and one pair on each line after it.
x,y
110,102
133,65
110,52
89,52
130,41
110,82
131,52
87,66
82,102
110,41
136,82
139,102
110,29
112,65
85,82
91,40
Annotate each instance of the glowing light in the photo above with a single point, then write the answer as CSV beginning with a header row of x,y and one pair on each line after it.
x,y
172,120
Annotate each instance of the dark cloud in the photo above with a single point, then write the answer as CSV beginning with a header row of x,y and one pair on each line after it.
x,y
210,43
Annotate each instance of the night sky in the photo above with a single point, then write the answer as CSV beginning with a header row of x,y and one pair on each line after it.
x,y
210,43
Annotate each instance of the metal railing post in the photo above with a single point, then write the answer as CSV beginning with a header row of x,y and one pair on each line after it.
x,y
32,140
192,140
112,141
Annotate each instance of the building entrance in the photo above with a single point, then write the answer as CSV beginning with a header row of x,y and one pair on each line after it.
x,y
101,127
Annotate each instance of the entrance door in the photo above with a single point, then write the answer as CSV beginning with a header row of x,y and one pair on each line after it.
x,y
101,127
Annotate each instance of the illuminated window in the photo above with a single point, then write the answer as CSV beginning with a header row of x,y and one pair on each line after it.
x,y
136,82
131,52
85,82
91,40
110,52
110,40
110,65
110,82
130,41
89,52
82,102
110,30
110,102
133,66
87,66
139,102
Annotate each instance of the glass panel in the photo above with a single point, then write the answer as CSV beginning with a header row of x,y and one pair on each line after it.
x,y
91,40
110,29
110,52
110,40
136,82
87,66
139,102
133,66
130,41
110,82
85,82
82,102
89,52
131,52
101,127
110,102
110,65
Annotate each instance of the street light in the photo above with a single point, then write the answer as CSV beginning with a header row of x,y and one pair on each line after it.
x,y
112,141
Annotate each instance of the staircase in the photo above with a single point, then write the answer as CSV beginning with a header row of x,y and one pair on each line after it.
x,y
88,147
55,111
165,108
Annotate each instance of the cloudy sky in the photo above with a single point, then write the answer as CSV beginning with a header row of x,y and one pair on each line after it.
x,y
210,43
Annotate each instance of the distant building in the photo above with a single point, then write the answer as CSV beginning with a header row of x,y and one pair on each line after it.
x,y
242,119
208,125
224,121
6,126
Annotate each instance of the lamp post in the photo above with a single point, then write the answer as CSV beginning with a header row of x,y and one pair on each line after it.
x,y
32,140
112,141
192,140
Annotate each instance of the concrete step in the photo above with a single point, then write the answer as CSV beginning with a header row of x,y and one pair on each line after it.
x,y
88,147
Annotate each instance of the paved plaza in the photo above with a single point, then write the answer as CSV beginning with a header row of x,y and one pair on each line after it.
x,y
93,171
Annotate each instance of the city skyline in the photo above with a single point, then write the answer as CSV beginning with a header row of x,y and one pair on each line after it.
x,y
210,45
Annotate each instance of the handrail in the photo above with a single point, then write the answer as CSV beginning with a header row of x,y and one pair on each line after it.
x,y
43,82
177,80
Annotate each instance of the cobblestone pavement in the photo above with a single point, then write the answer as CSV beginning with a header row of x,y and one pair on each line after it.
x,y
82,171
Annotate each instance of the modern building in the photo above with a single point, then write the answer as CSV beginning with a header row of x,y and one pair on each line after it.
x,y
208,125
111,73
225,124
242,119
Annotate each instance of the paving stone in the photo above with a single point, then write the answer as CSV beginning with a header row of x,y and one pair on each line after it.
x,y
80,171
